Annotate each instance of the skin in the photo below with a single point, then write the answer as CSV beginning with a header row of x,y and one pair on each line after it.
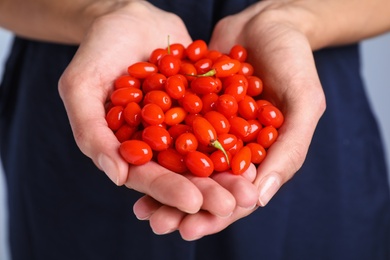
x,y
274,32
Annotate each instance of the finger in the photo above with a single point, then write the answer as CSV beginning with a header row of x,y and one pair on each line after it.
x,y
216,199
165,186
84,88
86,114
242,189
145,207
294,87
251,173
193,227
163,219
166,220
286,156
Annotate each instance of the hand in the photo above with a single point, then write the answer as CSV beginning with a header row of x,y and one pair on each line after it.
x,y
115,41
282,57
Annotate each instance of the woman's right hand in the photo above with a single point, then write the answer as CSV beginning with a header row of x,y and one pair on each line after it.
x,y
113,42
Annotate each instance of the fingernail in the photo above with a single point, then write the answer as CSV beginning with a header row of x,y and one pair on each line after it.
x,y
268,187
225,216
143,217
108,166
251,207
193,238
165,232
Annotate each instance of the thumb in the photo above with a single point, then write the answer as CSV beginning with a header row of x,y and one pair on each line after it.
x,y
84,103
286,156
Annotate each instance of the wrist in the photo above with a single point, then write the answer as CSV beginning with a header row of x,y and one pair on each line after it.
x,y
332,23
93,11
292,15
64,21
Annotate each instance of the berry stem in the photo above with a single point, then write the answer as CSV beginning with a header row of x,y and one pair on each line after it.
x,y
169,45
209,73
218,145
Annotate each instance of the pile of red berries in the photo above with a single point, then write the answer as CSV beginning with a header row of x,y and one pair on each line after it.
x,y
193,109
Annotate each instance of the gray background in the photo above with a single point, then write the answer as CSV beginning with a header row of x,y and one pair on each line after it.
x,y
376,74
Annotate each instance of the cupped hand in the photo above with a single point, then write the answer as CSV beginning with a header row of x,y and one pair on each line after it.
x,y
115,41
280,50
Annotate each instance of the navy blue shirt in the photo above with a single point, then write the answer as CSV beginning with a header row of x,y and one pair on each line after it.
x,y
62,207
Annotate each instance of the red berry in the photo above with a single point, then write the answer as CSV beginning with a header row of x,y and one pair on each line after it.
x,y
199,164
126,81
123,96
142,69
152,114
267,136
169,65
115,118
238,52
270,115
158,138
135,152
172,160
241,160
196,50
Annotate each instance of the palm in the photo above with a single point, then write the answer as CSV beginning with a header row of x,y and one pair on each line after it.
x,y
112,44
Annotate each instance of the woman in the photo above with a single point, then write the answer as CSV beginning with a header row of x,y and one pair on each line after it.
x,y
62,207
